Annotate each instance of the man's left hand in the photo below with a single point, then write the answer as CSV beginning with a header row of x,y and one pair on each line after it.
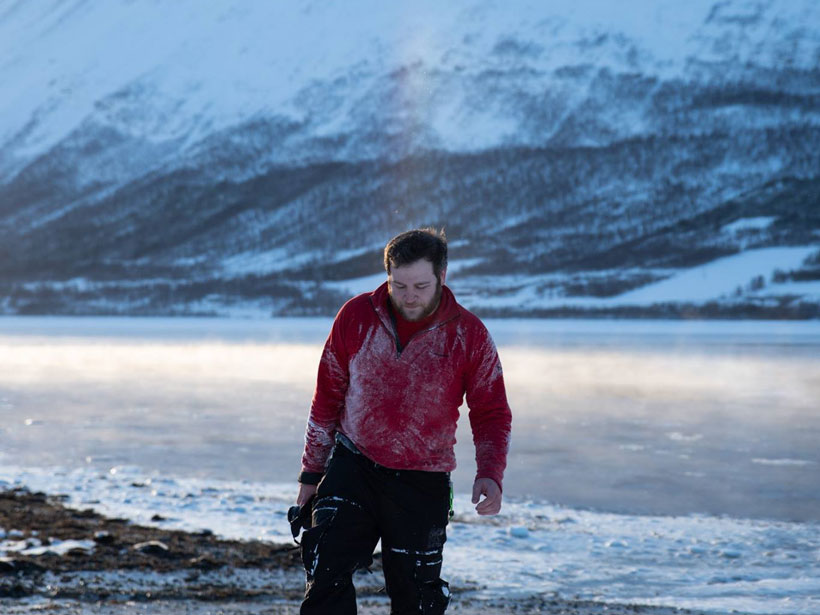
x,y
491,504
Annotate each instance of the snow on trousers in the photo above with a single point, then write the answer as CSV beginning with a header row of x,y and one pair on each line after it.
x,y
359,502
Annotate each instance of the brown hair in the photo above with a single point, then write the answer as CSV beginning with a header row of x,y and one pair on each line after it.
x,y
410,246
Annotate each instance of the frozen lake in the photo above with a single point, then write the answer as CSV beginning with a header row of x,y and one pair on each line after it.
x,y
623,416
699,437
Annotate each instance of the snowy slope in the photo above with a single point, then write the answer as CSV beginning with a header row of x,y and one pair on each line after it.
x,y
715,281
177,157
178,72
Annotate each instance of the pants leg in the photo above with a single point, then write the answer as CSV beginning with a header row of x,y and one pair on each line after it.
x,y
414,508
342,539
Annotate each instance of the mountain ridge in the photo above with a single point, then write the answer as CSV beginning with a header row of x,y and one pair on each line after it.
x,y
545,142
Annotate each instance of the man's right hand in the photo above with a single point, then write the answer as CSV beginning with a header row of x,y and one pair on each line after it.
x,y
305,493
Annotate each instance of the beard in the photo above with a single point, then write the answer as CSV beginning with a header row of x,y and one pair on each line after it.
x,y
427,308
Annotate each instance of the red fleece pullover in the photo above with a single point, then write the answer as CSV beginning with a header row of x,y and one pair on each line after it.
x,y
400,408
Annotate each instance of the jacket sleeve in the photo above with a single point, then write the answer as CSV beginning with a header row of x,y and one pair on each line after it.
x,y
328,400
490,415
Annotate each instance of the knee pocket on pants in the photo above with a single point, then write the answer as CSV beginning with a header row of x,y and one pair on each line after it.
x,y
434,592
434,596
322,518
424,568
326,512
311,542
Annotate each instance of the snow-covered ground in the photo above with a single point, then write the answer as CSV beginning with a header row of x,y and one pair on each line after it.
x,y
694,561
652,462
718,280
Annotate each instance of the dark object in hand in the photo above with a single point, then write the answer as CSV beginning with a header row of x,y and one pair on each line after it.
x,y
299,518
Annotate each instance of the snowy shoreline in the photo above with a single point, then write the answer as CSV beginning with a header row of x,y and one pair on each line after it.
x,y
71,561
533,556
366,607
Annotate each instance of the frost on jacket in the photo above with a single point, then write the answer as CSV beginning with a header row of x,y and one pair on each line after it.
x,y
401,408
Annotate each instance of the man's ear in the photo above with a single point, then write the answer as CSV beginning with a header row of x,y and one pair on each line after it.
x,y
443,275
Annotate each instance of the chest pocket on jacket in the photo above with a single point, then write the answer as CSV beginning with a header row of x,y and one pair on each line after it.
x,y
442,361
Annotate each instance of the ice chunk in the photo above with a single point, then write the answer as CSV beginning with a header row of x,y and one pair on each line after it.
x,y
519,531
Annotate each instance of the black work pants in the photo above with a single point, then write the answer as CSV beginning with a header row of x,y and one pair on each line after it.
x,y
359,502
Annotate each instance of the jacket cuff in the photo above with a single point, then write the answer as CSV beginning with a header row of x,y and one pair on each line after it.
x,y
310,478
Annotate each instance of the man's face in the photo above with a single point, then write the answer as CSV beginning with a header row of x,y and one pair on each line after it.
x,y
414,289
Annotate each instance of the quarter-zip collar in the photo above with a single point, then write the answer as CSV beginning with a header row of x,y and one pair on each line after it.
x,y
447,310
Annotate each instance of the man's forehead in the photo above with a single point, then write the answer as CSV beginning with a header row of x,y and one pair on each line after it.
x,y
420,270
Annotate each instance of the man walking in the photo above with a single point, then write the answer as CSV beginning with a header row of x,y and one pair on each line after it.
x,y
396,366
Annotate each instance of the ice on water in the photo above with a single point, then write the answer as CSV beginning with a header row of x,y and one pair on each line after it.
x,y
137,418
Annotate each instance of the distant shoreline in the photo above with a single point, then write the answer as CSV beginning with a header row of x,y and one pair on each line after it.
x,y
663,311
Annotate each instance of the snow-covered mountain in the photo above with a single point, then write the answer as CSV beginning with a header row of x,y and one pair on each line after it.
x,y
251,155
